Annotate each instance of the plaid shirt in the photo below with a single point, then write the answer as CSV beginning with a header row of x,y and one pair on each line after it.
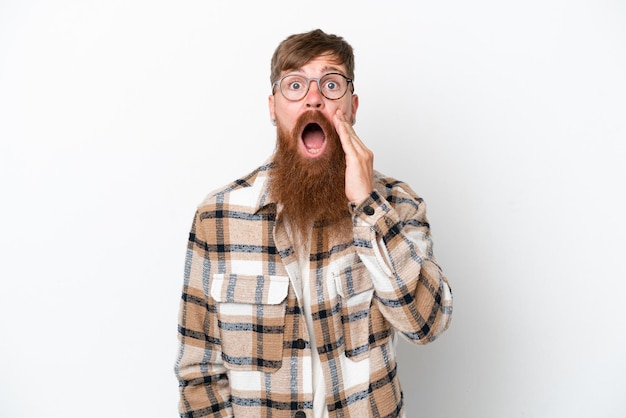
x,y
244,342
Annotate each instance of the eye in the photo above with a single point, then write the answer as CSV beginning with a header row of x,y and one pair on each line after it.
x,y
295,85
332,85
333,82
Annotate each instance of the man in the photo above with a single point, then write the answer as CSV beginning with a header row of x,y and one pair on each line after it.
x,y
299,275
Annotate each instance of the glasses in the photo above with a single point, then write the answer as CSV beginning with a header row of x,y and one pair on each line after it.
x,y
294,87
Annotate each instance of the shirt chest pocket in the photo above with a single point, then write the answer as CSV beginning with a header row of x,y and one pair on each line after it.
x,y
355,288
251,319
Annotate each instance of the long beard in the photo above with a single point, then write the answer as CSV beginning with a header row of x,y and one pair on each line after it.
x,y
311,190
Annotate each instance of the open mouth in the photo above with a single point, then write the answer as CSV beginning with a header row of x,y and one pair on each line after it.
x,y
313,139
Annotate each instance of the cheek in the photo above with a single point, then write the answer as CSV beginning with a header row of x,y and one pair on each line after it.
x,y
285,125
285,117
346,106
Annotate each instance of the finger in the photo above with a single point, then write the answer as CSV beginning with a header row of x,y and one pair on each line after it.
x,y
346,133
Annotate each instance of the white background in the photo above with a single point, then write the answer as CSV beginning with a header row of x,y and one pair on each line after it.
x,y
509,118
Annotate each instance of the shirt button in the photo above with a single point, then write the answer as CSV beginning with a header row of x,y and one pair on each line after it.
x,y
300,344
300,414
368,210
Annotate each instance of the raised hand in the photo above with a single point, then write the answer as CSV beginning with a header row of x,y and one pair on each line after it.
x,y
359,160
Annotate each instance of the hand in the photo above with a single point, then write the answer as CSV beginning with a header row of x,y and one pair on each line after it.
x,y
359,160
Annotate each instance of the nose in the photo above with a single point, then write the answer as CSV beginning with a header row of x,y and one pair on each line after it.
x,y
314,98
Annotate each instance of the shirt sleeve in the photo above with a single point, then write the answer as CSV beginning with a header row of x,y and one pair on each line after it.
x,y
203,383
392,236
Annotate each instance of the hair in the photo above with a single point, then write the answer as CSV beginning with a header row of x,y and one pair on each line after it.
x,y
297,50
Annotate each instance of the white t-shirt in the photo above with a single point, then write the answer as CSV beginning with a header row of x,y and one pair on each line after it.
x,y
319,390
320,409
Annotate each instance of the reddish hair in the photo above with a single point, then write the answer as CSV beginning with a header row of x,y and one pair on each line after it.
x,y
297,50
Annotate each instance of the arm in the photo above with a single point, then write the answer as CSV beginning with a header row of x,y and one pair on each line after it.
x,y
203,384
393,240
392,236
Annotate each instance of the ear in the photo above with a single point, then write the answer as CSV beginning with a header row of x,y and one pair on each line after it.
x,y
355,106
271,106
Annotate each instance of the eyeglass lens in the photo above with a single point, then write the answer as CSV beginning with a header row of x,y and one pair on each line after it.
x,y
295,87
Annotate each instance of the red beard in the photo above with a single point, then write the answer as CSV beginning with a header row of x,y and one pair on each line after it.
x,y
311,190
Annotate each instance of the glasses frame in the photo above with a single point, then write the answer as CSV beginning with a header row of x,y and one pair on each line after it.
x,y
278,82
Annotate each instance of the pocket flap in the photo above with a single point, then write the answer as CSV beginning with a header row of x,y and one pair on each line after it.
x,y
353,280
244,288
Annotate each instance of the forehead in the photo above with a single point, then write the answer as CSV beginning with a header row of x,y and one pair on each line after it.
x,y
318,66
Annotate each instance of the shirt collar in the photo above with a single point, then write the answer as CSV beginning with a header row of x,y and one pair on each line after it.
x,y
264,197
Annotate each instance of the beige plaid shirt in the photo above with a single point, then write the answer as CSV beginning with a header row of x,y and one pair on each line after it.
x,y
244,344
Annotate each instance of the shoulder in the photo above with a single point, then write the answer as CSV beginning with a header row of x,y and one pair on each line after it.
x,y
390,188
245,191
400,196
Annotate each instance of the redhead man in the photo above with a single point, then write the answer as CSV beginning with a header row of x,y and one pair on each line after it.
x,y
301,275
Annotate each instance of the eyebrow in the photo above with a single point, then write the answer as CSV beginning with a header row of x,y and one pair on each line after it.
x,y
325,70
